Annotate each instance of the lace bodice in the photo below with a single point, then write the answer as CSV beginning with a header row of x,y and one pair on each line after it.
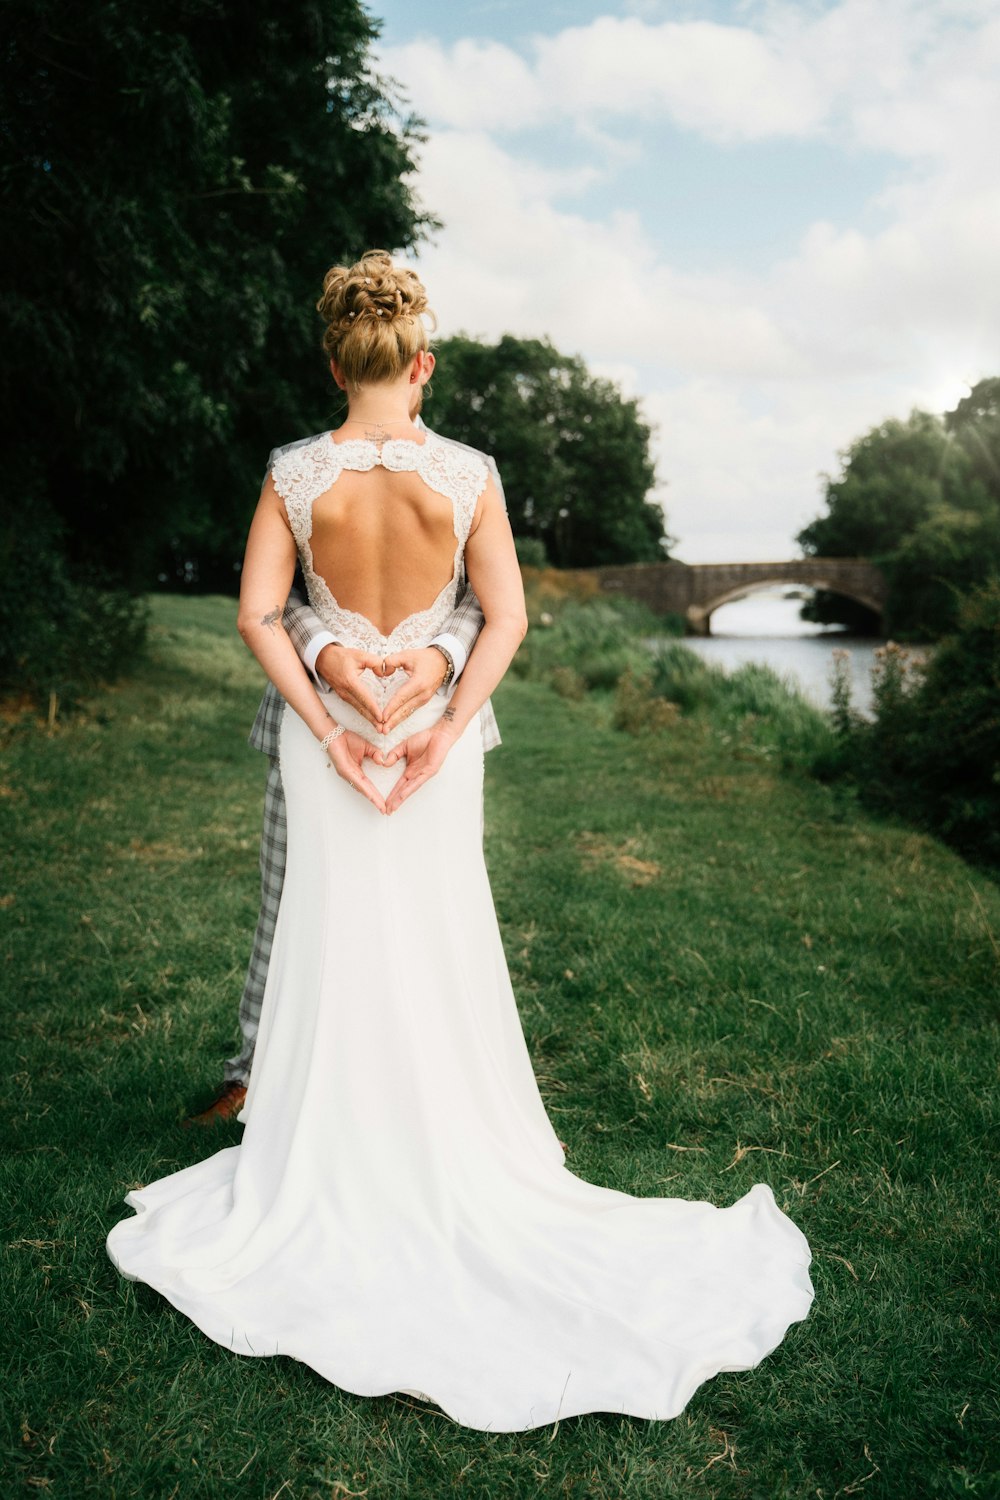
x,y
304,473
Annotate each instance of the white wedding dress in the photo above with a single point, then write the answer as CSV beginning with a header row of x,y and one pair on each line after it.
x,y
398,1214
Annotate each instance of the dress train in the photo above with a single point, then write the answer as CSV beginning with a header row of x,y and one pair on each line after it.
x,y
398,1215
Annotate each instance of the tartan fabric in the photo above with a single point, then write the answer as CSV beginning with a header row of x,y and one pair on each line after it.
x,y
273,845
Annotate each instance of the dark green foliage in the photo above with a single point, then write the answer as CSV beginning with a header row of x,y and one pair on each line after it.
x,y
176,178
598,641
572,451
922,499
684,678
59,633
531,552
932,752
975,423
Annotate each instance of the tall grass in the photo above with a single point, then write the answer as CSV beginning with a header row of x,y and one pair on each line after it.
x,y
754,709
581,640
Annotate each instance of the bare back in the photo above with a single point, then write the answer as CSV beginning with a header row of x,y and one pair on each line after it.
x,y
384,543
381,532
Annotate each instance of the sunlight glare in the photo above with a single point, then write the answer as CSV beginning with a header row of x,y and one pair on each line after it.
x,y
943,393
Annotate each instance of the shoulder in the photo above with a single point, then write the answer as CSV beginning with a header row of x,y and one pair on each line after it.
x,y
464,466
458,471
307,448
440,437
305,442
482,463
303,469
473,454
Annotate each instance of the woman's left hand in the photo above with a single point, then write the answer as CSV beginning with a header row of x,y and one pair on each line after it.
x,y
424,753
348,753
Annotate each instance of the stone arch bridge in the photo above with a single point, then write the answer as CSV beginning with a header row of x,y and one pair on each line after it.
x,y
696,590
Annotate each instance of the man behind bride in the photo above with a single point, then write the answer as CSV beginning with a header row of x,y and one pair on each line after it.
x,y
338,668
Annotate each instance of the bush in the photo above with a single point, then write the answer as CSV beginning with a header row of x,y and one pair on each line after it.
x,y
754,706
638,710
581,639
932,751
60,634
775,717
680,675
568,683
531,552
549,588
598,641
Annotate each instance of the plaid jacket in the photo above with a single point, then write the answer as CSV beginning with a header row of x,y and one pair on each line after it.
x,y
302,625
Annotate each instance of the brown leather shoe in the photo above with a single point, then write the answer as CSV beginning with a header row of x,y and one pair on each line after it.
x,y
228,1103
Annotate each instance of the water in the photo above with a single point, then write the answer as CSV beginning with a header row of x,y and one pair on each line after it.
x,y
766,627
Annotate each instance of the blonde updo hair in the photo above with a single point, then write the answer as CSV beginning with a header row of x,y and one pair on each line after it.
x,y
374,314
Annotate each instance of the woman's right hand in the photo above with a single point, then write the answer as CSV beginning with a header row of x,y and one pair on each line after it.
x,y
424,753
348,753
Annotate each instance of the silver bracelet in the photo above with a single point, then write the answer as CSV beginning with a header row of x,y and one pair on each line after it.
x,y
335,733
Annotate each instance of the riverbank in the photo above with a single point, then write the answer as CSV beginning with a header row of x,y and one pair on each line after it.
x,y
723,978
766,629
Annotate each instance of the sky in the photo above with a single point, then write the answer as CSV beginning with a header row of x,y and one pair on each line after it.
x,y
774,224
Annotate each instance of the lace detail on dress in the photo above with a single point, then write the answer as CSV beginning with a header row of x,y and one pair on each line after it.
x,y
300,477
303,474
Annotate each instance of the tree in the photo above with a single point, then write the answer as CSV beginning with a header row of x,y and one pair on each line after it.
x,y
975,425
916,497
572,451
932,752
176,178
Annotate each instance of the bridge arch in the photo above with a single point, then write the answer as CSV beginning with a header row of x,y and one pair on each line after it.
x,y
699,615
697,590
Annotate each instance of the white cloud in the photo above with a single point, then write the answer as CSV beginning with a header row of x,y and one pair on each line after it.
x,y
905,76
472,85
923,286
510,261
755,380
726,82
745,471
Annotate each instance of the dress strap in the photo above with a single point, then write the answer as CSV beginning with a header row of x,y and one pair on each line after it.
x,y
300,476
457,472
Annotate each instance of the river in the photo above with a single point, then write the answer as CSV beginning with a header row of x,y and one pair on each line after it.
x,y
765,627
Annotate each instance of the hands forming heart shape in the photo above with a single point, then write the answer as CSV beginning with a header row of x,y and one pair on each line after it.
x,y
424,752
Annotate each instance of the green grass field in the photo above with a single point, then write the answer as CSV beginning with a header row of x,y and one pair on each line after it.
x,y
726,976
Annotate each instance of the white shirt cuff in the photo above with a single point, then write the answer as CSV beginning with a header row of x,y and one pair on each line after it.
x,y
310,654
455,649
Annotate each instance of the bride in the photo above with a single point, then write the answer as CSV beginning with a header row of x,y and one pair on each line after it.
x,y
398,1214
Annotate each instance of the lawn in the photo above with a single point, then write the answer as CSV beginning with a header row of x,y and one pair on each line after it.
x,y
726,976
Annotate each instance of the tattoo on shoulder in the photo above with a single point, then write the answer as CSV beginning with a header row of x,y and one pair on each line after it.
x,y
271,619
